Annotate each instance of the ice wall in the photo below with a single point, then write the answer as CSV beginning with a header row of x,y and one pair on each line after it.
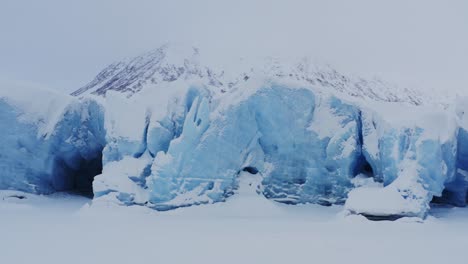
x,y
187,145
307,147
50,142
289,136
413,152
456,190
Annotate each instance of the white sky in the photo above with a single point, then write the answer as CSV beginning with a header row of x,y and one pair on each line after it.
x,y
62,44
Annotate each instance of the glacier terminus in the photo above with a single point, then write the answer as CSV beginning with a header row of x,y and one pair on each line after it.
x,y
167,130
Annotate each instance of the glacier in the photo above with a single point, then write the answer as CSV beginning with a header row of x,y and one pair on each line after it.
x,y
413,153
264,134
167,132
50,142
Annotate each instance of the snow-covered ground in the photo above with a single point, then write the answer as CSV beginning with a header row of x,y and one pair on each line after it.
x,y
65,228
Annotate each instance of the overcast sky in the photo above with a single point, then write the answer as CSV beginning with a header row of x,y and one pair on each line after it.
x,y
62,44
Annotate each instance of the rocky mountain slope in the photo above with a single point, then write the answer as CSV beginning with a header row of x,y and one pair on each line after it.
x,y
171,63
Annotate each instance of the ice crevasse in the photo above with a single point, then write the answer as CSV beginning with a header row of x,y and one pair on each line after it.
x,y
189,145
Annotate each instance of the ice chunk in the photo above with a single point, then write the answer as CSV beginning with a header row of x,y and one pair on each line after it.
x,y
125,178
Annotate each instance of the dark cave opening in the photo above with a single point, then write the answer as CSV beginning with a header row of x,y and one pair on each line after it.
x,y
251,170
77,178
455,194
367,170
363,167
445,199
84,176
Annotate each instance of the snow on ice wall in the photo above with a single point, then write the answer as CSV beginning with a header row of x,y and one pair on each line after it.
x,y
50,142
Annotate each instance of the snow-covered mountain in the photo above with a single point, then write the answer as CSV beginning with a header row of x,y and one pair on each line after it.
x,y
170,63
172,128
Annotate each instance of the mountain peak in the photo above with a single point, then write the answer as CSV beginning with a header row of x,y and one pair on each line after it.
x,y
176,62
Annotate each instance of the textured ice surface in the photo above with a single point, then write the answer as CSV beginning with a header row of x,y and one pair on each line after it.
x,y
307,147
201,144
413,152
49,142
272,133
185,143
456,190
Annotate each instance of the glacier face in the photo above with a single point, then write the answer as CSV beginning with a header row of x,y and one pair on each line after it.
x,y
270,133
457,190
51,146
307,147
165,135
415,158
